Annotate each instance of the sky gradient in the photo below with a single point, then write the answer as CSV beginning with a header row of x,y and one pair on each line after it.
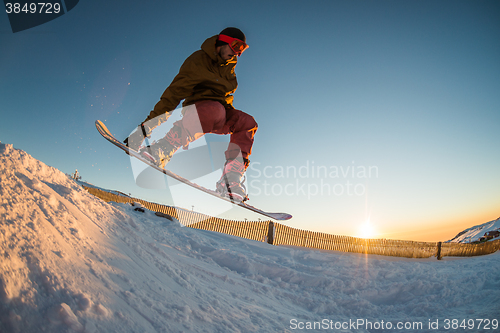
x,y
406,89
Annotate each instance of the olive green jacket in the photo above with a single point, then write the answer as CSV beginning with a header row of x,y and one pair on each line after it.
x,y
204,75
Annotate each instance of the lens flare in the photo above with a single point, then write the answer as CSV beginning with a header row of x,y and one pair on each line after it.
x,y
366,230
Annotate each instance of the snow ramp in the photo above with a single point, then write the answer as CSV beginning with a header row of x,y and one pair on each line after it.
x,y
74,263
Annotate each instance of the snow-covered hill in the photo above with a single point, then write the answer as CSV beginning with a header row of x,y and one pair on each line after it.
x,y
71,262
475,233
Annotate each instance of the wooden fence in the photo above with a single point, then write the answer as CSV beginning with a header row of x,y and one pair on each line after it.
x,y
468,250
279,234
285,235
184,216
252,230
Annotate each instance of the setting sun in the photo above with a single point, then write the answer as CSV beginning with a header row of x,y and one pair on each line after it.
x,y
366,230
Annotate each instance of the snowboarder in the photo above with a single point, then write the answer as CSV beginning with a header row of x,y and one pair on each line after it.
x,y
206,82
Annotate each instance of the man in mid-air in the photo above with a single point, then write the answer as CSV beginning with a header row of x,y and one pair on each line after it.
x,y
206,82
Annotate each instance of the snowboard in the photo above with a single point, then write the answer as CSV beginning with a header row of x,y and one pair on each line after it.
x,y
103,130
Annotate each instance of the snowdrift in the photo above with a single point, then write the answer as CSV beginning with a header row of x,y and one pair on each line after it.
x,y
73,263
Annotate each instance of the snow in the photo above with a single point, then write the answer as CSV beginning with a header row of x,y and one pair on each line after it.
x,y
473,234
73,263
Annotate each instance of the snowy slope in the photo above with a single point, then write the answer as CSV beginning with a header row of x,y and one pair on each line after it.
x,y
71,262
473,234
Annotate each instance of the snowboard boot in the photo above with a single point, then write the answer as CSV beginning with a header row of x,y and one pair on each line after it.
x,y
230,184
161,151
135,140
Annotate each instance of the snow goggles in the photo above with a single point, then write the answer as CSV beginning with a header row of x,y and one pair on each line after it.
x,y
237,45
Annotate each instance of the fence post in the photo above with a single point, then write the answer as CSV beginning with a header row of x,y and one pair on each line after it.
x,y
439,251
270,233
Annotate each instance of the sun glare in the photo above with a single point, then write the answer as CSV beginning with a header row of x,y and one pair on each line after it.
x,y
366,230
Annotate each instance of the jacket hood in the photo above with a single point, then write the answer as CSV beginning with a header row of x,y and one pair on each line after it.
x,y
209,47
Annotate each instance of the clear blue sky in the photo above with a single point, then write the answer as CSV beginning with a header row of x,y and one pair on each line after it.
x,y
405,93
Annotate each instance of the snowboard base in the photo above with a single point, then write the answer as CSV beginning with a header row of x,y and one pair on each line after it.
x,y
103,130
